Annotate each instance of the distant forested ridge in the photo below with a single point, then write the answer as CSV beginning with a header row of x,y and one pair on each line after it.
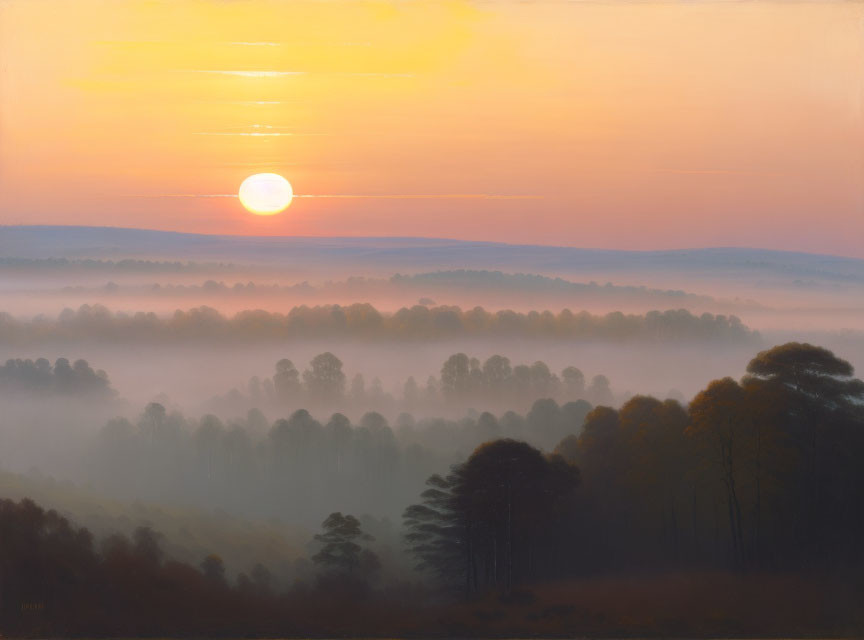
x,y
411,254
533,283
363,321
432,282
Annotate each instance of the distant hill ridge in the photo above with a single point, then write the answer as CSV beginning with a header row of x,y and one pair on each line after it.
x,y
447,279
484,279
395,254
363,321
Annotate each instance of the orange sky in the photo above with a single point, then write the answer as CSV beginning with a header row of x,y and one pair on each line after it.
x,y
631,124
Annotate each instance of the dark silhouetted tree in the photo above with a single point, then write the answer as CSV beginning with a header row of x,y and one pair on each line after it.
x,y
341,550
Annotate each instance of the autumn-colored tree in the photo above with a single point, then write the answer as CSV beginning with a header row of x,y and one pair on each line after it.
x,y
817,402
653,433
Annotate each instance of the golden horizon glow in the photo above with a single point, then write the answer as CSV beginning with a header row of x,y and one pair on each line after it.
x,y
265,194
637,125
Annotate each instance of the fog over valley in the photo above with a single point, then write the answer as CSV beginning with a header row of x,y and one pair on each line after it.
x,y
278,418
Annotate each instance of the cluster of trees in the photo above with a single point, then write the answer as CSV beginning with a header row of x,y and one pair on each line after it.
x,y
762,474
491,520
298,467
495,382
464,382
189,532
55,580
419,322
62,378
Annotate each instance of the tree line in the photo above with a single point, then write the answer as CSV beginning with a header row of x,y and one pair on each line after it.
x,y
62,378
299,467
363,321
529,283
433,283
464,382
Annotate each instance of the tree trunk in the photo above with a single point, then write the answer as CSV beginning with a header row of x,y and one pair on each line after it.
x,y
509,549
674,524
469,560
757,526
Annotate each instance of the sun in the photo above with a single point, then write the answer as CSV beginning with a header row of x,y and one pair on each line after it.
x,y
265,194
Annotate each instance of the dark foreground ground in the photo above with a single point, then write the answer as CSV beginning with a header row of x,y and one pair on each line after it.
x,y
709,605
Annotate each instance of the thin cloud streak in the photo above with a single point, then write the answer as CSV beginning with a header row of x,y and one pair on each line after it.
x,y
432,196
280,44
257,134
713,172
253,44
278,163
236,43
273,73
247,73
407,196
374,74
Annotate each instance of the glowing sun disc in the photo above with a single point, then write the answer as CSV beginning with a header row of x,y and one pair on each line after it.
x,y
265,194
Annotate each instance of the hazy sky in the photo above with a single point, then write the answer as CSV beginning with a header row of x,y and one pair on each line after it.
x,y
629,124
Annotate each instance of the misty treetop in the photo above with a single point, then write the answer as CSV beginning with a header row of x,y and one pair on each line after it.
x,y
363,321
464,383
340,549
495,380
62,378
299,467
